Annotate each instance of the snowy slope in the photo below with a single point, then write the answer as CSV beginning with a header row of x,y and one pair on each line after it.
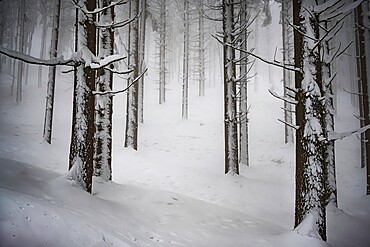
x,y
172,191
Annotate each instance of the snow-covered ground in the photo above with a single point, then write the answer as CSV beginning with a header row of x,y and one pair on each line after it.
x,y
172,192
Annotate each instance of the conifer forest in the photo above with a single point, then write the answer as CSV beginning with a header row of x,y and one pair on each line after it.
x,y
185,123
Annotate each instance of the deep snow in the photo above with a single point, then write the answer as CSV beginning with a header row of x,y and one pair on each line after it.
x,y
172,191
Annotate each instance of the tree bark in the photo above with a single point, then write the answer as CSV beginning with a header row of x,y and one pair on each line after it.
x,y
185,70
310,114
131,137
49,108
84,104
104,103
230,111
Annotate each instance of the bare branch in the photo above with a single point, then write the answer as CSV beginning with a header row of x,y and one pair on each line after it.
x,y
37,61
112,93
286,99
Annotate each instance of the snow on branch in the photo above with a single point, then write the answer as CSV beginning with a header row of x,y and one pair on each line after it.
x,y
286,99
98,10
111,93
333,136
277,64
106,61
341,10
37,61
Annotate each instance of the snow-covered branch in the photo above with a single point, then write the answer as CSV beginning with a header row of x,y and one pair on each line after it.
x,y
37,61
333,136
286,99
111,93
106,61
98,10
284,66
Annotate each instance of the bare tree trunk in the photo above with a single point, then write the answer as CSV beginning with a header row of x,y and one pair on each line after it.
x,y
185,71
243,118
84,104
131,137
201,50
287,57
21,24
230,108
73,145
104,104
49,107
362,72
310,113
162,52
42,48
142,25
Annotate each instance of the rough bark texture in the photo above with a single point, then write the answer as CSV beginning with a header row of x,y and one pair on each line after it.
x,y
84,104
243,119
49,107
230,118
104,103
162,52
201,50
185,70
310,114
287,8
142,25
131,137
363,83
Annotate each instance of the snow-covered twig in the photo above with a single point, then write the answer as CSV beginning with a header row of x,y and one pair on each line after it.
x,y
333,136
106,61
98,10
111,93
289,124
286,99
284,66
37,61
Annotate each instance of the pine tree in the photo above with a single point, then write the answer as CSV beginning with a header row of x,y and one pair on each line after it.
x,y
131,136
83,129
104,102
230,111
49,108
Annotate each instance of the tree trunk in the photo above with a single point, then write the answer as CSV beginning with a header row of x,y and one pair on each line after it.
x,y
142,25
310,113
185,71
104,104
287,58
243,118
162,52
42,49
201,52
21,23
49,108
131,137
84,128
230,111
362,72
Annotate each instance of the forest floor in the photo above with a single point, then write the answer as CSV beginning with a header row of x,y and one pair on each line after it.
x,y
172,191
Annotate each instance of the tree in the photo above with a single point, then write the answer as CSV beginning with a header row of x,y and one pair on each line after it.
x,y
49,108
243,102
82,152
363,85
201,50
162,51
131,136
310,149
185,71
142,66
287,34
104,102
230,111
